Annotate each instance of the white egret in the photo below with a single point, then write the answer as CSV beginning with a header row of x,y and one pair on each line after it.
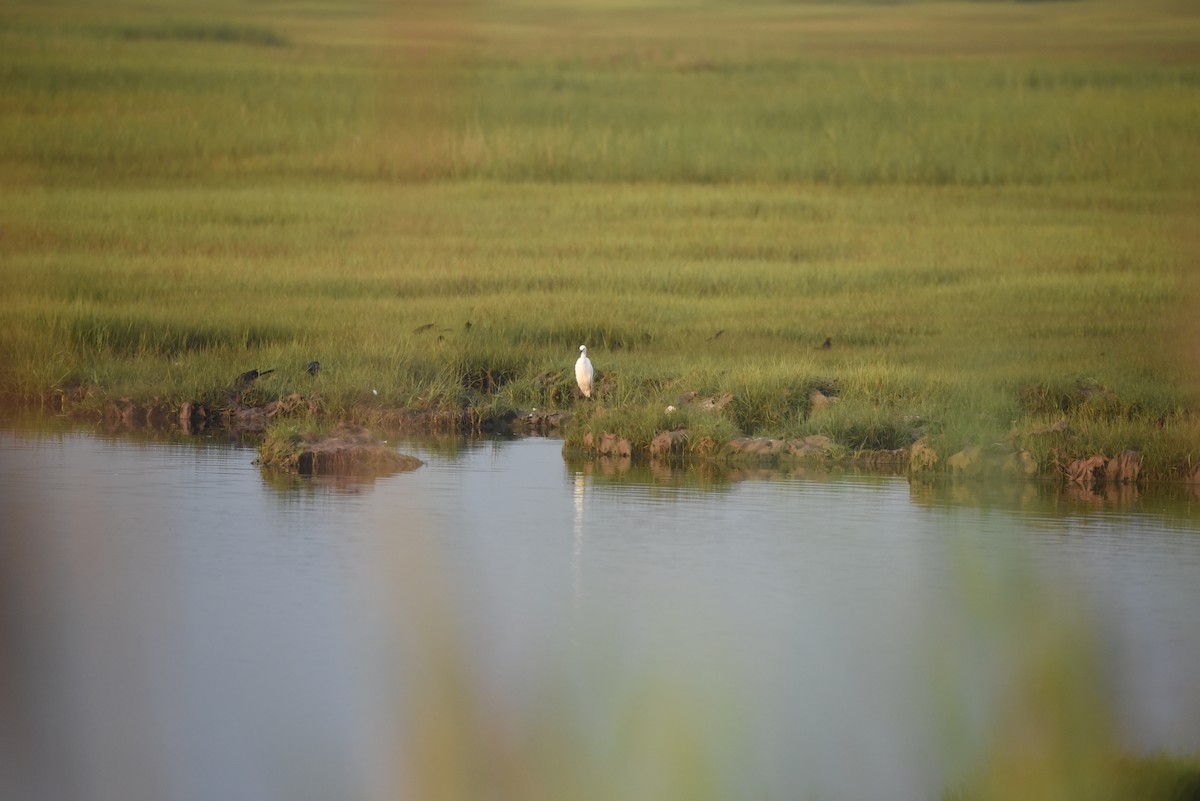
x,y
584,372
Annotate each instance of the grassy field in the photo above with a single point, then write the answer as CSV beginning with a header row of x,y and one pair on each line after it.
x,y
988,207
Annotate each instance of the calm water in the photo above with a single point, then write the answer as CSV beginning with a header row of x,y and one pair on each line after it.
x,y
177,624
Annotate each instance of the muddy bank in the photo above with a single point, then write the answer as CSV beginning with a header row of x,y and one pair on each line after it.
x,y
235,416
245,418
1095,475
346,450
921,460
242,418
932,489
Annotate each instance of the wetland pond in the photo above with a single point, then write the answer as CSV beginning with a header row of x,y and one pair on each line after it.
x,y
177,623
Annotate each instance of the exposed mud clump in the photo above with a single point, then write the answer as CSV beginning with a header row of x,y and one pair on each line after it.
x,y
608,445
669,443
817,446
538,421
1099,471
253,419
922,457
239,417
998,460
347,450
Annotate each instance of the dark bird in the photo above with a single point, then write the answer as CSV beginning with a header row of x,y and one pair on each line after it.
x,y
313,368
827,344
249,377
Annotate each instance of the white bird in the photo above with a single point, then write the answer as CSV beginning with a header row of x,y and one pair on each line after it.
x,y
584,372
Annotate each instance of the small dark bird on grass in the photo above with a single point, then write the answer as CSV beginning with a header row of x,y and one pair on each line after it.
x,y
313,368
249,377
827,344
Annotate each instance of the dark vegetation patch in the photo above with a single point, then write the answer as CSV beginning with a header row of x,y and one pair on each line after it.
x,y
557,388
226,33
127,335
762,406
570,337
873,435
1078,396
484,373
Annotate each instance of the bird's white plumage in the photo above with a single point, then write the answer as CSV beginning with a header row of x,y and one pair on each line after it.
x,y
584,372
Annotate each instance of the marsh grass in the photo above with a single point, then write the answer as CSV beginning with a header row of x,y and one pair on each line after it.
x,y
131,335
204,32
282,442
984,206
953,309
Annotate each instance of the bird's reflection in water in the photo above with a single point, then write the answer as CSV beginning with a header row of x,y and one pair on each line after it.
x,y
577,545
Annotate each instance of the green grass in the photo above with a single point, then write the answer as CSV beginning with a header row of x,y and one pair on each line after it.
x,y
986,205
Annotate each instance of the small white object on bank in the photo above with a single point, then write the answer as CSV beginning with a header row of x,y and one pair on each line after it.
x,y
584,372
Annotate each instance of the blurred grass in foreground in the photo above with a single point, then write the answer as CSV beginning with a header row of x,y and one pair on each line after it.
x,y
1012,673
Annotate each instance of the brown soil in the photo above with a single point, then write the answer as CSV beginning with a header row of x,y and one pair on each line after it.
x,y
345,450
